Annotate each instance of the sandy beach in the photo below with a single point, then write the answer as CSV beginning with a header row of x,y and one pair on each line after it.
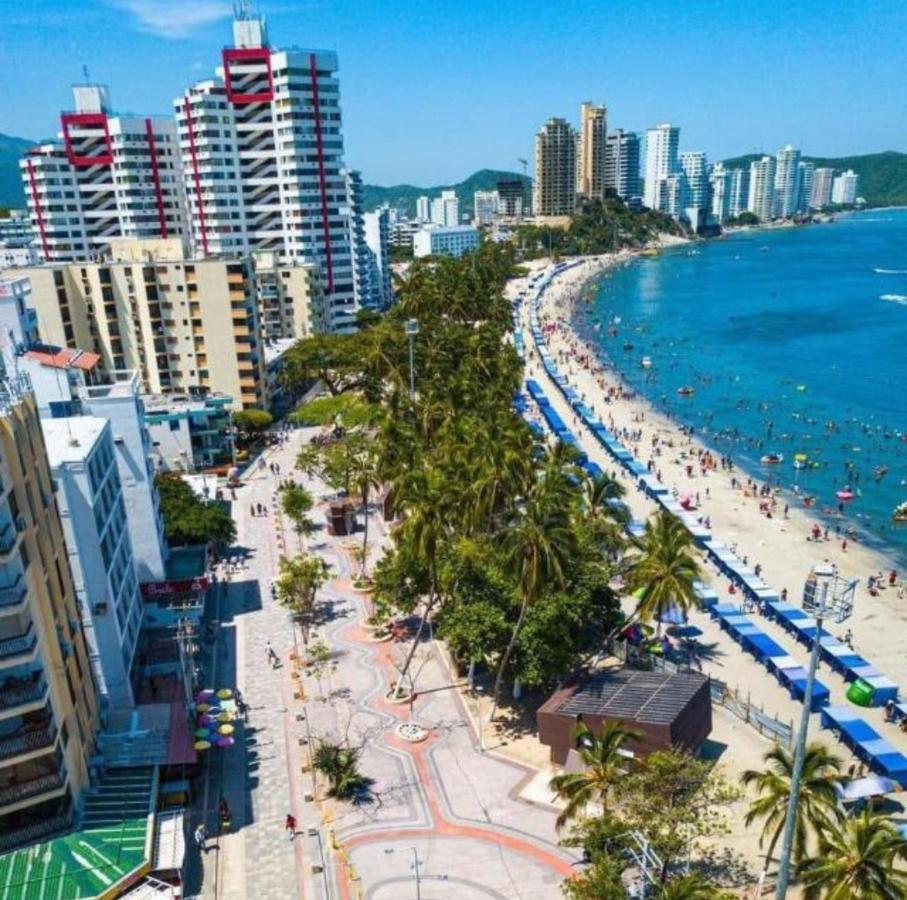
x,y
731,503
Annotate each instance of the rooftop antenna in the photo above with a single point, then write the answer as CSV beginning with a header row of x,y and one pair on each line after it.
x,y
85,74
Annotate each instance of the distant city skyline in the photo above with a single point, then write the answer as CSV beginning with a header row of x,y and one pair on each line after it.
x,y
432,94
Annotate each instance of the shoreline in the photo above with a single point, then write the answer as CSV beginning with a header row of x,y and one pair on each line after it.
x,y
781,542
892,556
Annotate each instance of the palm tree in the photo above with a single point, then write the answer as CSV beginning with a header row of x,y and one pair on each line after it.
x,y
603,764
667,569
689,887
857,858
818,795
538,546
424,499
602,495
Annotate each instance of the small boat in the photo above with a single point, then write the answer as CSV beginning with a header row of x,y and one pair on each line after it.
x,y
772,459
900,512
628,346
686,391
646,362
845,494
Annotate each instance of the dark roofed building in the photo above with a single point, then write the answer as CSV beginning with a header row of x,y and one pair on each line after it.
x,y
668,710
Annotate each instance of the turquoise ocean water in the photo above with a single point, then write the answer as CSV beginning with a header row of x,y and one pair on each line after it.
x,y
795,342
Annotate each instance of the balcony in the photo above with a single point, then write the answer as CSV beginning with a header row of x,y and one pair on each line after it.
x,y
35,832
8,537
19,692
34,787
13,595
21,645
28,740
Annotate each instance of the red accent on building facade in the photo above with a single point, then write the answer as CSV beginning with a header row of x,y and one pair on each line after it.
x,y
187,108
247,54
156,178
39,213
322,180
86,119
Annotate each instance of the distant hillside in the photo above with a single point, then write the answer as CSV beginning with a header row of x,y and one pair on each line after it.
x,y
11,149
883,176
403,196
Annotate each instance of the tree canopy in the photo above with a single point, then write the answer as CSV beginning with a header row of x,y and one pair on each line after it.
x,y
188,518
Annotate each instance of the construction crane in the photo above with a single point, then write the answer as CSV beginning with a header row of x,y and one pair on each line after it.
x,y
524,163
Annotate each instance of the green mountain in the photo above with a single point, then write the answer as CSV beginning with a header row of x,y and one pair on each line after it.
x,y
403,196
883,176
11,149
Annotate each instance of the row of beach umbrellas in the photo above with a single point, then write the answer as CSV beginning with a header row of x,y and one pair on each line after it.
x,y
212,721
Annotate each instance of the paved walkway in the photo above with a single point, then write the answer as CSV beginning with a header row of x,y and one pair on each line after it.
x,y
455,809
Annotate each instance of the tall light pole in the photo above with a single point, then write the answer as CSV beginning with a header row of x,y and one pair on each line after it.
x,y
826,593
412,329
418,877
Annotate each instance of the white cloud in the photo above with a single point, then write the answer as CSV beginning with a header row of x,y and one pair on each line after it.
x,y
173,18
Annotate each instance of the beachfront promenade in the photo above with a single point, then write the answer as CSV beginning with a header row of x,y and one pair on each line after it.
x,y
457,810
575,397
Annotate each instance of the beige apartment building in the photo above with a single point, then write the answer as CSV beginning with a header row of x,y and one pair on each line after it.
x,y
186,325
590,158
291,301
555,169
48,700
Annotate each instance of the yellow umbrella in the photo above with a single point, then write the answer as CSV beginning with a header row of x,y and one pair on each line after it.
x,y
225,729
202,745
203,707
800,457
224,717
225,693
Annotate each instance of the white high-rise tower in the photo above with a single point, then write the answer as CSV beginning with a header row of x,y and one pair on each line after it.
x,y
662,160
108,176
262,150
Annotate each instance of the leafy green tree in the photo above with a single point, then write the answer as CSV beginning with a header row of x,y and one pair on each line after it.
x,y
690,887
818,795
665,572
857,858
188,519
333,359
296,503
676,801
252,421
318,660
600,880
346,410
603,765
298,582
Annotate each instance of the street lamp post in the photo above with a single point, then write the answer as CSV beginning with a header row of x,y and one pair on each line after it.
x,y
412,329
826,594
418,877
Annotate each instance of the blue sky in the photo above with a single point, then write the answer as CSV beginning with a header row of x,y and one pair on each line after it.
x,y
434,89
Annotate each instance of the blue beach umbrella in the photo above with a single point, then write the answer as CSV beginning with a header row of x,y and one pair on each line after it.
x,y
672,615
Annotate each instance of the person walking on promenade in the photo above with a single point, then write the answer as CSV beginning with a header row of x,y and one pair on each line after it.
x,y
272,656
200,835
290,825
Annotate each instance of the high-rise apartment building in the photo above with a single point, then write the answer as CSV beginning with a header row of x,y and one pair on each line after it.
x,y
48,699
185,325
622,163
108,176
823,182
83,463
662,143
511,198
787,182
555,169
590,157
807,177
361,268
761,202
740,192
423,208
262,151
845,188
377,240
720,190
290,299
445,210
696,174
485,207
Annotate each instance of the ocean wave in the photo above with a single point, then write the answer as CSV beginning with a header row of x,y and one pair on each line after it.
x,y
900,299
890,271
